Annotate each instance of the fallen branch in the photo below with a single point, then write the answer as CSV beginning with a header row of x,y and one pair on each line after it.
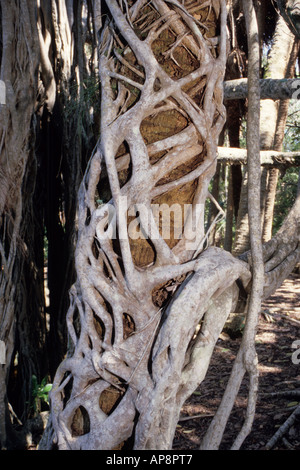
x,y
271,89
237,156
231,155
283,393
286,318
287,444
201,415
283,429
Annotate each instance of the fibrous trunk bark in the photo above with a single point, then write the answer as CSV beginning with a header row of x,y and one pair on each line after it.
x,y
290,11
67,133
19,72
49,66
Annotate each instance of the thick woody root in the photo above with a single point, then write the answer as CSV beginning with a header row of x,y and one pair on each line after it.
x,y
284,428
282,253
179,361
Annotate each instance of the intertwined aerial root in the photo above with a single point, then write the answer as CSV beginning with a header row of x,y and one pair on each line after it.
x,y
133,360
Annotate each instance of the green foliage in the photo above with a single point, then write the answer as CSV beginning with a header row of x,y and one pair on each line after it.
x,y
83,100
39,392
286,195
243,132
292,131
46,246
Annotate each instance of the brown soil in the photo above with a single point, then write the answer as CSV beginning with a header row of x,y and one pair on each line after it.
x,y
279,327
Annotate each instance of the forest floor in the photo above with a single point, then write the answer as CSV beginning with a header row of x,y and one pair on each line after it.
x,y
279,381
279,372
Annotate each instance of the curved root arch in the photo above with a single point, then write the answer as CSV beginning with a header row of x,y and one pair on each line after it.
x,y
160,62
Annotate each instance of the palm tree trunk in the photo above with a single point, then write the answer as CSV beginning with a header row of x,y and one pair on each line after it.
x,y
242,242
278,67
273,173
229,214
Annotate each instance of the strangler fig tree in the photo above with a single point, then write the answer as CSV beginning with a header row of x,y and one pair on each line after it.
x,y
146,310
